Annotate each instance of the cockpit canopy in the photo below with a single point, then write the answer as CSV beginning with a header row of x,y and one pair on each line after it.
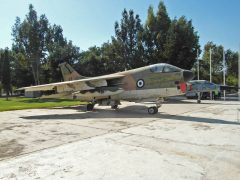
x,y
165,68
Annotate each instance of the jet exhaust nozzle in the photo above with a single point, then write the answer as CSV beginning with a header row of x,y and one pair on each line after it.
x,y
187,75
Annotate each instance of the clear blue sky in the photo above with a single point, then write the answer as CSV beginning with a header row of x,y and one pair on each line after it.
x,y
91,22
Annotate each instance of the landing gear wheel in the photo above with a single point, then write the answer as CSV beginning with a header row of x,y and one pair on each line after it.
x,y
90,107
114,106
152,110
198,101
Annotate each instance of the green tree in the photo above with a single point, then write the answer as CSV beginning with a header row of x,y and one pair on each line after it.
x,y
6,76
232,67
182,44
163,23
92,62
110,58
59,50
155,34
21,72
149,37
29,38
231,59
99,60
170,41
217,62
1,69
39,48
128,40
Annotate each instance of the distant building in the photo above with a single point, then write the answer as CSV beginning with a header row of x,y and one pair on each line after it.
x,y
32,94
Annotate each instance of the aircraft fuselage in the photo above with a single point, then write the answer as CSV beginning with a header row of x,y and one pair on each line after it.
x,y
142,83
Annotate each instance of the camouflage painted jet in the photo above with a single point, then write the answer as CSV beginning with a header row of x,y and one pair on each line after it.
x,y
155,81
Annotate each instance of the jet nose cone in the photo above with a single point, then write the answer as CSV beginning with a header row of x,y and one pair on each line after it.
x,y
187,75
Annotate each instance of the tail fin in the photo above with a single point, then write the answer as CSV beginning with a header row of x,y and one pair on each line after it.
x,y
69,73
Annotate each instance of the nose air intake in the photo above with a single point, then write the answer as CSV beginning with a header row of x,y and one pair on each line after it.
x,y
187,75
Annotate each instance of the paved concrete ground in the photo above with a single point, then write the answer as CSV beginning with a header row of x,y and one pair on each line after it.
x,y
184,141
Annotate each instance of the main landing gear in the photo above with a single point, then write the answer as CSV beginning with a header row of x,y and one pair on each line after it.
x,y
105,102
154,109
114,105
90,107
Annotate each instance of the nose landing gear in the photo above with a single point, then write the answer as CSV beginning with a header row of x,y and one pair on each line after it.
x,y
115,106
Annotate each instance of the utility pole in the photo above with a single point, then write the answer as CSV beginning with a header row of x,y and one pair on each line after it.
x,y
224,74
210,70
239,74
197,65
198,93
210,65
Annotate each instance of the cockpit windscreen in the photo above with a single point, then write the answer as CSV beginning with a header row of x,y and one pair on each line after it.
x,y
165,68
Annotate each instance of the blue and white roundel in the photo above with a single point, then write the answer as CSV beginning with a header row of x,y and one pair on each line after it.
x,y
140,83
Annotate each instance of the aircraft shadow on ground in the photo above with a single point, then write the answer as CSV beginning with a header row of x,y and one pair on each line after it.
x,y
131,112
193,101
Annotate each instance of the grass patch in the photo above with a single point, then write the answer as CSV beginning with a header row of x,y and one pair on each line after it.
x,y
17,103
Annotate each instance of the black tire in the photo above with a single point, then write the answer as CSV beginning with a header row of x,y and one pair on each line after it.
x,y
90,107
114,106
156,110
152,110
204,95
213,96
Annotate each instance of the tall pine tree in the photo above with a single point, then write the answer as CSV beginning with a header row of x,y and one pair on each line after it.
x,y
128,40
182,44
29,38
162,26
150,37
1,69
6,76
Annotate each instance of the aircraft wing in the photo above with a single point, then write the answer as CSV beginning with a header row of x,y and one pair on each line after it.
x,y
75,85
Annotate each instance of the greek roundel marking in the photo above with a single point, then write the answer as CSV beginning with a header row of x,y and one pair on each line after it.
x,y
140,83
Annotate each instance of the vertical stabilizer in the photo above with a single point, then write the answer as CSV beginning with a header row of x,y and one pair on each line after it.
x,y
69,73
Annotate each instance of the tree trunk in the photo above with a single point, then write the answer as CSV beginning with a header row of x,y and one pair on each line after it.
x,y
7,93
34,75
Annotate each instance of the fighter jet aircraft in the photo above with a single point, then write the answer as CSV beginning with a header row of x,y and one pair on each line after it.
x,y
155,81
202,89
